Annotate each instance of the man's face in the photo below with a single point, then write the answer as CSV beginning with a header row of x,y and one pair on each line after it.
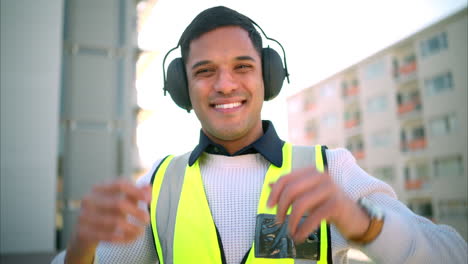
x,y
224,73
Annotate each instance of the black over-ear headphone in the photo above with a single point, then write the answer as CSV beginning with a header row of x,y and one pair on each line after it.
x,y
272,68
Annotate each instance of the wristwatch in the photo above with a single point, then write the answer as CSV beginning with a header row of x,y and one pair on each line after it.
x,y
376,221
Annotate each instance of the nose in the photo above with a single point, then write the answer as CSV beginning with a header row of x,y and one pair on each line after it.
x,y
225,82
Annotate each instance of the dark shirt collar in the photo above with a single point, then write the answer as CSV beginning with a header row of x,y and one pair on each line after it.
x,y
269,145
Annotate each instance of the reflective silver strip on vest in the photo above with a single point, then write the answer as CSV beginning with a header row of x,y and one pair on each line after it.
x,y
168,201
302,156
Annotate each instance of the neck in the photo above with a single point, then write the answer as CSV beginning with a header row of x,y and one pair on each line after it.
x,y
234,145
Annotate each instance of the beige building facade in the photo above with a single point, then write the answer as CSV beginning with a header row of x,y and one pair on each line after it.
x,y
403,114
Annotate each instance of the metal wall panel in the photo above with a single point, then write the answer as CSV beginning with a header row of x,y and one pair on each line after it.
x,y
94,23
93,153
92,87
97,116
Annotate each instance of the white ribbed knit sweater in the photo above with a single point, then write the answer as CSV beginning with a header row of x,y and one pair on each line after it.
x,y
233,186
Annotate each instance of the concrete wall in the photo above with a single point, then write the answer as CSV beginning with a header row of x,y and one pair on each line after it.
x,y
31,50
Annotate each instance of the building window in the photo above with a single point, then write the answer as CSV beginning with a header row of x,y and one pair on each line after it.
x,y
408,102
421,171
416,176
311,129
413,139
418,132
422,207
381,139
356,146
453,208
377,104
349,88
440,83
434,44
352,118
330,119
387,174
443,125
327,90
448,166
374,70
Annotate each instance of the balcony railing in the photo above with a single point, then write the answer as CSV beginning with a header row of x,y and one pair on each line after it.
x,y
405,72
359,154
416,184
310,106
414,145
351,91
310,135
413,184
409,106
408,68
352,123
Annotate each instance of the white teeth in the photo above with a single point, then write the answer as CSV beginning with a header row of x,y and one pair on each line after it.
x,y
227,106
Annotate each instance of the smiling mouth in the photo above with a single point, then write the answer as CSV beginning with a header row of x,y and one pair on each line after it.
x,y
228,106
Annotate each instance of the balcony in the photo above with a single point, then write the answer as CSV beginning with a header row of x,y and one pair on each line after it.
x,y
355,145
352,123
310,135
359,154
414,184
414,144
351,91
407,70
309,106
350,88
409,107
417,144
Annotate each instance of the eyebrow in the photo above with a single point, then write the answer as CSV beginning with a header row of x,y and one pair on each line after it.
x,y
203,62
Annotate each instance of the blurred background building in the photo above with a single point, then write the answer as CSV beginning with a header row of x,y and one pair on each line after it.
x,y
403,114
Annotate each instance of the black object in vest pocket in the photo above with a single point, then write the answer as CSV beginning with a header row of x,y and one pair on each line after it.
x,y
272,240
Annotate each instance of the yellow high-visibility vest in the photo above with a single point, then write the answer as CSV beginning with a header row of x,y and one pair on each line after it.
x,y
181,220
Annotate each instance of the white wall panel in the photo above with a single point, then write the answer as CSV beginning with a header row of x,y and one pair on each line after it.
x,y
31,44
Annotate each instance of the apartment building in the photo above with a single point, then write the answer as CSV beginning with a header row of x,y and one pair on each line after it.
x,y
403,115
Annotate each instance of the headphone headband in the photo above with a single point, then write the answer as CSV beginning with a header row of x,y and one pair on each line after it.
x,y
175,82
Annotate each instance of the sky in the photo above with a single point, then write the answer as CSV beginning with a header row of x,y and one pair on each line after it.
x,y
320,38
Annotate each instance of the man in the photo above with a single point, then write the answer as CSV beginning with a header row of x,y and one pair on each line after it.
x,y
223,188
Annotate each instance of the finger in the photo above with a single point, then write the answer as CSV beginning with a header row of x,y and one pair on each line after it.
x,y
118,206
124,232
293,190
147,190
126,188
307,203
312,221
130,208
277,187
104,223
127,232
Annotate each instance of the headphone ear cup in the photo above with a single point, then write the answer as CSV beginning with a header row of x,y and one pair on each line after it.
x,y
273,73
176,84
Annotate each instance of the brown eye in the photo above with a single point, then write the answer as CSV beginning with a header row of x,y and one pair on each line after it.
x,y
203,72
243,67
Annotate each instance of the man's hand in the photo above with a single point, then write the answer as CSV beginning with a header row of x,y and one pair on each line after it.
x,y
104,216
315,195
